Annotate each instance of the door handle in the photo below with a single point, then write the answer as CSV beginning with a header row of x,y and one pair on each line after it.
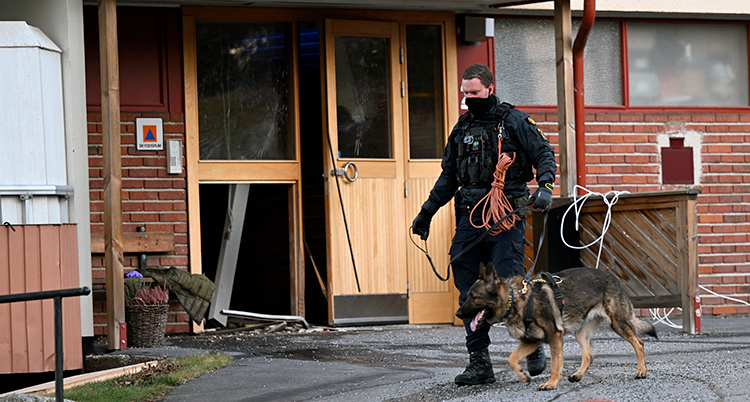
x,y
345,172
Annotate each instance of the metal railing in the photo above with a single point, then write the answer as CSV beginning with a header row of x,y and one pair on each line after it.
x,y
58,296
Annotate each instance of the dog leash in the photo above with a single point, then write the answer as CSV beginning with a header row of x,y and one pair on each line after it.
x,y
477,240
536,255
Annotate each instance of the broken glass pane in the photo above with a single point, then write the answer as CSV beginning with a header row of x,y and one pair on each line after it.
x,y
363,97
244,84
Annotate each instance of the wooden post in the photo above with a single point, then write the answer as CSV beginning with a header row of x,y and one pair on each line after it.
x,y
110,80
565,107
687,251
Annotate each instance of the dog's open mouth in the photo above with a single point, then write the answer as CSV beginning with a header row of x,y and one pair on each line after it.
x,y
478,319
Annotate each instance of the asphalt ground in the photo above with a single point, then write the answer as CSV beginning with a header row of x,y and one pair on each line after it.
x,y
419,362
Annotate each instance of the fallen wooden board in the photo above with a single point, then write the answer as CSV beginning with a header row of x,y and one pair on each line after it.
x,y
97,376
265,317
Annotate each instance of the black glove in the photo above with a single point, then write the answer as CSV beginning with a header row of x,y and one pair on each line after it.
x,y
543,197
421,224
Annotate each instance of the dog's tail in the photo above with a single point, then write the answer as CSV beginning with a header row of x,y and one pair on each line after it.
x,y
644,327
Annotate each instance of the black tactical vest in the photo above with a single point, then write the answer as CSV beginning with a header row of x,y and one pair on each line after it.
x,y
477,151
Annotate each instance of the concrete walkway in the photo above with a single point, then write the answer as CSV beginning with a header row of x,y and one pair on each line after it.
x,y
419,362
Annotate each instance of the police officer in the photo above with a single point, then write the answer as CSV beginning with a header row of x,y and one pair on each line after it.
x,y
468,168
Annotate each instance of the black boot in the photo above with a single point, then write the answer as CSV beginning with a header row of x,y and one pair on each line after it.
x,y
536,361
479,370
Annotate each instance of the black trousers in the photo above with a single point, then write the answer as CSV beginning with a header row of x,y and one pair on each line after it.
x,y
505,251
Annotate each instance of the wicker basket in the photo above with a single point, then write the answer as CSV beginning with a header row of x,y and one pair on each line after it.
x,y
146,325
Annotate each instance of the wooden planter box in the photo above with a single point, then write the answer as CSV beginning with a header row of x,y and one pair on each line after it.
x,y
37,258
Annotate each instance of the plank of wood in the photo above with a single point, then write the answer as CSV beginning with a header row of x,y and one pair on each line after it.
x,y
656,301
6,352
687,249
565,102
97,376
112,170
137,242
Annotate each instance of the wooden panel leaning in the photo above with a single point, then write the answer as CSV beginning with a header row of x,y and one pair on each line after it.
x,y
651,246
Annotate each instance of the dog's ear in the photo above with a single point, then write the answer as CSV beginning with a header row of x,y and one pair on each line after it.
x,y
482,270
489,273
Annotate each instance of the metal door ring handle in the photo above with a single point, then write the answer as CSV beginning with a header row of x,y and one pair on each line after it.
x,y
346,171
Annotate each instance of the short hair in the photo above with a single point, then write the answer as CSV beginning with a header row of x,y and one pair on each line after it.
x,y
479,71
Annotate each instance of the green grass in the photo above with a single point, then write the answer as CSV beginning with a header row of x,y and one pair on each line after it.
x,y
150,384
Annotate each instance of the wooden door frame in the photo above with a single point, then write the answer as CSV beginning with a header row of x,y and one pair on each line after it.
x,y
251,172
285,172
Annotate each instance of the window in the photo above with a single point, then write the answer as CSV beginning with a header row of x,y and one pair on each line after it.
x,y
424,64
668,64
244,91
687,64
525,62
363,97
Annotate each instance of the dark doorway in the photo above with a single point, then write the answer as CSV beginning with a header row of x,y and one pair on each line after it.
x,y
313,172
261,281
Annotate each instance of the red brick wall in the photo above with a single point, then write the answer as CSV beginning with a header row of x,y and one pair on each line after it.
x,y
150,51
150,198
622,154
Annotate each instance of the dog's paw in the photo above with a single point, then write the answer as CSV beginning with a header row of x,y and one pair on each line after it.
x,y
640,375
574,378
546,387
525,379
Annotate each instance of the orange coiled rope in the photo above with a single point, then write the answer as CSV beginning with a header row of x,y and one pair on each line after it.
x,y
496,204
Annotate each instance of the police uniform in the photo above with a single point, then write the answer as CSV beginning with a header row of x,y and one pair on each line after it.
x,y
468,168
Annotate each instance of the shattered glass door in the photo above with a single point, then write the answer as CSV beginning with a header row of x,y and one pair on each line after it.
x,y
244,91
363,97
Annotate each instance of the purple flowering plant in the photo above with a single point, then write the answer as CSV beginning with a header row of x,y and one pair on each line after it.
x,y
139,292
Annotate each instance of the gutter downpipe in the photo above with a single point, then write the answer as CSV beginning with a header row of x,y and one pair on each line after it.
x,y
589,13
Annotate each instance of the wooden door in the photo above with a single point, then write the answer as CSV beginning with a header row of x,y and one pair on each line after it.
x,y
367,273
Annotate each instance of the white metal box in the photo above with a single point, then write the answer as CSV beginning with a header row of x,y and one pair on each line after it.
x,y
33,179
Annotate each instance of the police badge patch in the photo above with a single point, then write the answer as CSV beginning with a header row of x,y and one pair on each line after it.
x,y
544,137
533,123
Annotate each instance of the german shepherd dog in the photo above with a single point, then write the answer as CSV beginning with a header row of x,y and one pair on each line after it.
x,y
589,297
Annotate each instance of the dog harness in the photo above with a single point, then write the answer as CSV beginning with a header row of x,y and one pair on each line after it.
x,y
544,277
510,303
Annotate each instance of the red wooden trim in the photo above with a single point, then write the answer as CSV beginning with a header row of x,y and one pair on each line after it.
x,y
174,63
688,21
163,49
747,46
638,109
50,257
68,242
626,108
6,365
18,344
34,317
491,57
625,64
169,47
38,258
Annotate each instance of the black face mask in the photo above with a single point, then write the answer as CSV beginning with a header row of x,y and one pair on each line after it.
x,y
480,106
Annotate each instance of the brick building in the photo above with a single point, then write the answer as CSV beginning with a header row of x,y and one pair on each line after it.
x,y
654,73
294,256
